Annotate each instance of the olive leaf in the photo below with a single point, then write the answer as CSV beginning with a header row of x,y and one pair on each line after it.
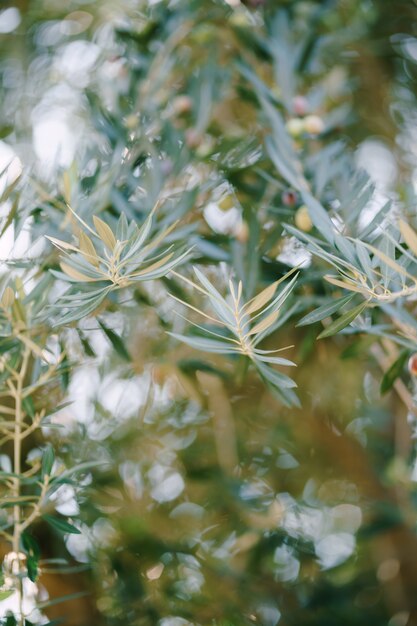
x,y
116,260
240,326
343,321
61,524
382,272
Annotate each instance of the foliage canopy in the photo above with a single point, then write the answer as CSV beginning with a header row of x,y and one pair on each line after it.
x,y
195,198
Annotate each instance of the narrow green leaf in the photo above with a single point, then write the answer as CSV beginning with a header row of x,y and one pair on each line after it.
x,y
82,467
28,406
324,311
190,366
67,598
60,524
48,459
32,568
30,545
276,360
285,394
389,262
394,371
281,381
207,345
218,303
376,221
82,311
364,259
86,345
116,342
319,217
343,321
6,594
346,247
64,368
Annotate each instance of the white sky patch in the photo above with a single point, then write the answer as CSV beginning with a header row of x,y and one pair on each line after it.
x,y
57,128
132,478
166,484
122,398
223,222
175,621
98,341
79,546
9,20
286,567
49,34
285,460
11,248
188,509
224,551
65,501
81,393
60,99
255,489
10,170
409,46
374,205
293,253
335,549
103,532
379,162
54,141
5,463
269,615
76,60
11,604
10,167
305,521
331,528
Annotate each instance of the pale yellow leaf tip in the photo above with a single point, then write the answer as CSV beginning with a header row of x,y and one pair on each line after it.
x,y
409,235
73,273
7,298
105,233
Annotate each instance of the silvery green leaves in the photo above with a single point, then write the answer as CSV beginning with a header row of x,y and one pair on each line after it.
x,y
103,261
234,327
380,273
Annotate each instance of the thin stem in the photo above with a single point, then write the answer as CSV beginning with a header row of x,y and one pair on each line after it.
x,y
17,449
36,507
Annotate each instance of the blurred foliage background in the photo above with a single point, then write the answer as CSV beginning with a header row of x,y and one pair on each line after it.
x,y
212,502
